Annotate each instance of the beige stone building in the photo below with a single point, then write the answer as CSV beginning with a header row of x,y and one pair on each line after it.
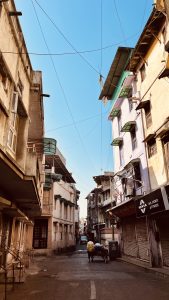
x,y
99,202
143,202
55,231
21,170
149,61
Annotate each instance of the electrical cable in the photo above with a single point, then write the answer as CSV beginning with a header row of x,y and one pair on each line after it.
x,y
65,38
77,122
61,87
101,57
101,35
70,53
121,27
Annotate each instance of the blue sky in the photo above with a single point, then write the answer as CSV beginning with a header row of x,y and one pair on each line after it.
x,y
73,114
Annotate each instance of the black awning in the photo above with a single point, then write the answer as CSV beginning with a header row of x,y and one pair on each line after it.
x,y
149,137
143,104
124,209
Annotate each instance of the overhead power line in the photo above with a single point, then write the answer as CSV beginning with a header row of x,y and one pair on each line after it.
x,y
59,82
121,27
71,53
65,38
77,122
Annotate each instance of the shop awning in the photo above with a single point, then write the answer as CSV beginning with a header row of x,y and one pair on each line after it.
x,y
128,127
124,209
143,104
117,142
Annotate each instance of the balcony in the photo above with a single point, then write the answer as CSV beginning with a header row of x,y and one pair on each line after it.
x,y
107,202
23,187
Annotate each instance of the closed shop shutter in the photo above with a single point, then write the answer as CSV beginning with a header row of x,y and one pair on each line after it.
x,y
129,237
142,239
163,224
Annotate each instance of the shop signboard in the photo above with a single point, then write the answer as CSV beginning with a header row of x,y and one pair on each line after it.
x,y
150,204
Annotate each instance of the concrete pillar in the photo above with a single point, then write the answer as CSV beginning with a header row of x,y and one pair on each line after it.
x,y
154,242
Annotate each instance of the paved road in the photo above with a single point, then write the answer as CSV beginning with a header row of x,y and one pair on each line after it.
x,y
73,278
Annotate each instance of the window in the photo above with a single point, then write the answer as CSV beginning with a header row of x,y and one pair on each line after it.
x,y
130,105
65,212
121,155
55,230
4,77
137,175
163,35
60,209
133,138
152,147
148,116
20,86
143,72
14,121
40,234
0,8
165,141
60,231
119,123
55,200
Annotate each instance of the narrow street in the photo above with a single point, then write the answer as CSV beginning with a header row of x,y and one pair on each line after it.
x,y
71,277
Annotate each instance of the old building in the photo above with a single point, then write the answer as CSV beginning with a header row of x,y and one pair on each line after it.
x,y
130,165
138,87
99,201
151,69
54,230
21,171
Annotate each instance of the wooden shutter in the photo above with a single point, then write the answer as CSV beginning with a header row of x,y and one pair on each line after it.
x,y
142,239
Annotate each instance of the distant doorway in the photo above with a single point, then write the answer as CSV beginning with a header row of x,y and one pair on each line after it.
x,y
40,234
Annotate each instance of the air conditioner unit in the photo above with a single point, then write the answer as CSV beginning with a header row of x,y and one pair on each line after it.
x,y
50,171
129,191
